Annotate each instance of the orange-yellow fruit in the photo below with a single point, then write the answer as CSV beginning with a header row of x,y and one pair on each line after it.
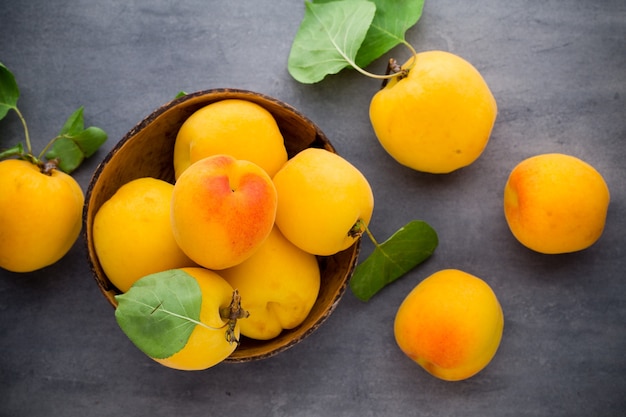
x,y
132,233
556,203
321,196
207,345
235,127
222,210
451,324
40,215
278,286
437,119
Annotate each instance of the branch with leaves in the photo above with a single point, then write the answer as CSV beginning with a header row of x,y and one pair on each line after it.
x,y
66,151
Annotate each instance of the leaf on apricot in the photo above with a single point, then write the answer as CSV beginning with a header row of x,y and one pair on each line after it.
x,y
409,246
160,311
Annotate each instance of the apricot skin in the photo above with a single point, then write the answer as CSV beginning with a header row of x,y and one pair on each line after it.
x,y
556,203
437,119
222,210
239,128
320,198
450,324
132,234
278,286
40,216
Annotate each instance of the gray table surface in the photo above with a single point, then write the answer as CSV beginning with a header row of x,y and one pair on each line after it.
x,y
558,71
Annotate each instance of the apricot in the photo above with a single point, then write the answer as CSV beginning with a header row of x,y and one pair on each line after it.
x,y
556,203
222,210
132,233
321,200
40,215
235,127
439,117
450,324
278,286
207,345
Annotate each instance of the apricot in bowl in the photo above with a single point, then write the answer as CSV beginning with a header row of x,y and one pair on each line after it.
x,y
147,151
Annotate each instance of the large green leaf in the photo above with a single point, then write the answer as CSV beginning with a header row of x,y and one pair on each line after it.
x,y
405,249
329,38
9,92
393,18
160,311
388,28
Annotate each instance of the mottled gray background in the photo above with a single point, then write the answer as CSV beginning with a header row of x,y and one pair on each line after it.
x,y
558,72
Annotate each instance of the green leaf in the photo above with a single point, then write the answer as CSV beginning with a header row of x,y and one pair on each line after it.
x,y
67,152
9,92
393,18
90,140
75,143
160,311
74,124
181,94
16,150
329,38
405,249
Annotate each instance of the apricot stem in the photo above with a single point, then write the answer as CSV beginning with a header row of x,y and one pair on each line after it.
x,y
231,314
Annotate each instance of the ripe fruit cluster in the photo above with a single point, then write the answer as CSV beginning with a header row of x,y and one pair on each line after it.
x,y
240,216
436,116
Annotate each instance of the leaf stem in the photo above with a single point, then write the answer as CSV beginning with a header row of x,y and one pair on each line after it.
x,y
370,235
358,229
49,145
26,134
387,76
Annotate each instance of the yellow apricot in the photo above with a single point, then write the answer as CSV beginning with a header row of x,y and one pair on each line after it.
x,y
207,345
222,210
438,118
235,127
450,324
40,215
132,234
321,197
278,286
556,203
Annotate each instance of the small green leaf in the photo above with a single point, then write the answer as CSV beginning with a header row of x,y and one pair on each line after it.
x,y
9,92
181,94
68,154
90,140
405,249
329,38
160,311
75,143
74,124
17,150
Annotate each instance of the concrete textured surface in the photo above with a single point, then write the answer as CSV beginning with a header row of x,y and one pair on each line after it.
x,y
558,72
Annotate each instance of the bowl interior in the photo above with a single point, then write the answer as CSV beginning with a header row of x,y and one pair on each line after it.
x,y
146,151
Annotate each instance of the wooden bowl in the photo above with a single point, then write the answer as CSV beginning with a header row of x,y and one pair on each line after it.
x,y
146,151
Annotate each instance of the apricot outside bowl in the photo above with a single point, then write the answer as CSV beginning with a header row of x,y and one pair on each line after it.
x,y
147,151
